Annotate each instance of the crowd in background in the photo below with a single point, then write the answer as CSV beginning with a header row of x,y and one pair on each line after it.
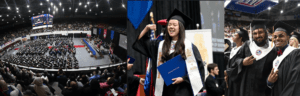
x,y
17,81
62,25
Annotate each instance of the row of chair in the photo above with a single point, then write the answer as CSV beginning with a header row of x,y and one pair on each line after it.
x,y
89,48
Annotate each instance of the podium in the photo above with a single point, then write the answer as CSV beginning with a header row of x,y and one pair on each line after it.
x,y
140,91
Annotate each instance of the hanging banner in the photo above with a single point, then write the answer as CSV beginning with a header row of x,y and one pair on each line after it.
x,y
104,34
99,31
112,34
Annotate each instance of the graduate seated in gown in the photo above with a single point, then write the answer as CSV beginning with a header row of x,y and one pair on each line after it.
x,y
211,84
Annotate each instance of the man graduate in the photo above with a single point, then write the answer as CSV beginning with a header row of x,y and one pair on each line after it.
x,y
239,38
254,63
284,79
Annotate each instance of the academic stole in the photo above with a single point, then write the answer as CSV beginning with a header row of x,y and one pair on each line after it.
x,y
259,52
279,59
191,65
234,51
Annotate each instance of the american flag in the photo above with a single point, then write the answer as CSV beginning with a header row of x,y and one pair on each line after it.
x,y
147,86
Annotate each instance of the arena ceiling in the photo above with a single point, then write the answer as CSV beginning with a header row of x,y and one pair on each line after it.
x,y
20,11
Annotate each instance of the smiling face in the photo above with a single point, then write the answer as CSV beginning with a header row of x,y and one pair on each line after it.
x,y
259,36
173,29
280,39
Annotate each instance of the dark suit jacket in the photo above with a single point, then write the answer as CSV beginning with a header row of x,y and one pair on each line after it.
x,y
211,87
133,83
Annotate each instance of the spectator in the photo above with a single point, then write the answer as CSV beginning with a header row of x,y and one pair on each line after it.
x,y
93,89
9,90
73,90
39,88
211,83
62,79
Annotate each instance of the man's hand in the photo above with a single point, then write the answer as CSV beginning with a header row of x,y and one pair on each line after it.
x,y
129,65
248,60
273,76
177,80
142,80
226,78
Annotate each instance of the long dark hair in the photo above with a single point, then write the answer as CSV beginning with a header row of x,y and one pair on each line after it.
x,y
179,46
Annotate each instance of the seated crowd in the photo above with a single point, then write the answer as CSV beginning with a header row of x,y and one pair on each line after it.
x,y
16,81
61,54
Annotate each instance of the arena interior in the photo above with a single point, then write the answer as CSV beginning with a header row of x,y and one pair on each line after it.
x,y
82,52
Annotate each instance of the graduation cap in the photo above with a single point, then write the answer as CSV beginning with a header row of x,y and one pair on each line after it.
x,y
281,26
296,35
162,22
256,24
244,34
177,15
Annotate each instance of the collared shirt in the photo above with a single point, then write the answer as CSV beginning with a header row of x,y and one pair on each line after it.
x,y
213,77
284,48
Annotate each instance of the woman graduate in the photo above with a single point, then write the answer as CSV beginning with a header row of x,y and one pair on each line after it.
x,y
173,44
233,88
294,40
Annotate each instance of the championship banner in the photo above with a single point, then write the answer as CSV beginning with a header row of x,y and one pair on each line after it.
x,y
41,21
250,6
104,34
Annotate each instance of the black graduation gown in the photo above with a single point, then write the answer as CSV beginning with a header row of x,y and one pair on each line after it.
x,y
150,49
212,88
233,82
133,83
288,82
253,77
